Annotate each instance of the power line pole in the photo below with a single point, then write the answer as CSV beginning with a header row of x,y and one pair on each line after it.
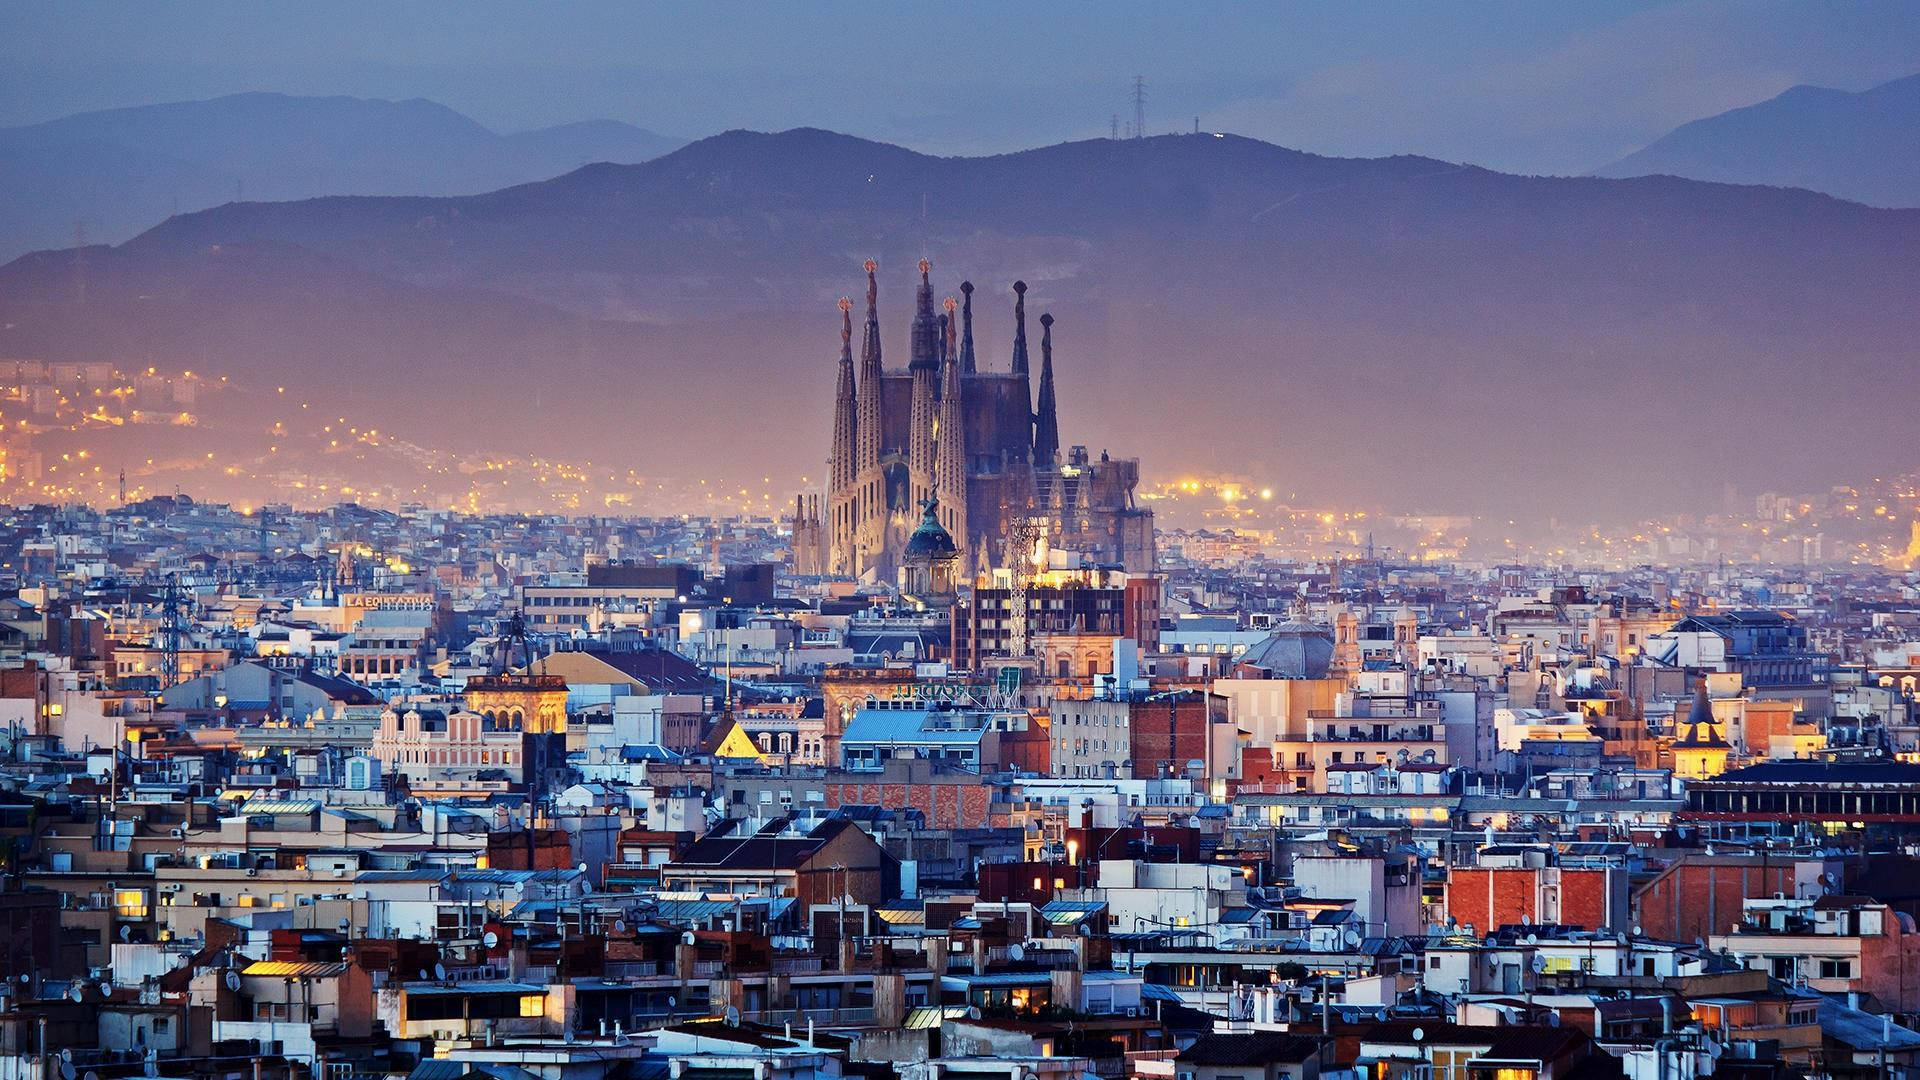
x,y
1139,106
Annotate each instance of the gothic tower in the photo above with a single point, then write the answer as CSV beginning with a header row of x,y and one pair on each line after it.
x,y
844,468
1046,423
923,414
966,333
950,475
1020,357
870,421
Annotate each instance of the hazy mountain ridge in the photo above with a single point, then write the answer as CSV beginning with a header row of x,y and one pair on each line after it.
x,y
1335,325
119,171
1857,146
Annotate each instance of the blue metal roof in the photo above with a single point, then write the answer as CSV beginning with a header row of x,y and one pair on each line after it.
x,y
885,726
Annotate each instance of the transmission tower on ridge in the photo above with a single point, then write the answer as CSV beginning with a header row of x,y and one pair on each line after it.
x,y
1139,106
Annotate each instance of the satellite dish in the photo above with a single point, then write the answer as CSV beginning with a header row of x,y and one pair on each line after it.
x,y
1533,939
66,1055
440,972
490,939
673,1002
1526,920
90,1075
1636,929
66,1070
1419,1034
126,932
1016,952
106,989
233,979
687,938
1553,1019
425,974
1539,963
619,926
733,1016
1352,937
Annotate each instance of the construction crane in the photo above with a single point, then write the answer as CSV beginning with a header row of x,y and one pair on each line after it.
x,y
173,629
1024,532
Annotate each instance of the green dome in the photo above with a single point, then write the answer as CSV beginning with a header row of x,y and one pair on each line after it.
x,y
930,540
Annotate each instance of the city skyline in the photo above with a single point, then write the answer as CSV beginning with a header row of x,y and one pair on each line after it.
x,y
620,541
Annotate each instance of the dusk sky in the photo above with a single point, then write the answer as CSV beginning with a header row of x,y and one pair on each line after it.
x,y
1527,87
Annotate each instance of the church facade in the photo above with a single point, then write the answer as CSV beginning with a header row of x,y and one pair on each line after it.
x,y
972,443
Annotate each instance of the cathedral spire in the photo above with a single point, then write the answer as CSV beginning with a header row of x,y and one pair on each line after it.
x,y
923,401
1020,328
926,325
966,328
1046,422
845,406
1020,361
949,326
872,404
950,453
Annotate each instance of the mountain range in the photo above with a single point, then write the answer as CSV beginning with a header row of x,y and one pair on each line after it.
x,y
1397,330
1858,146
113,173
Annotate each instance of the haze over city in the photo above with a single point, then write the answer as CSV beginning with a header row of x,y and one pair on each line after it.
x,y
1330,318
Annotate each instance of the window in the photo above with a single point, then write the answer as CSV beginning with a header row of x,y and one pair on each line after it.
x,y
533,1005
130,903
1836,969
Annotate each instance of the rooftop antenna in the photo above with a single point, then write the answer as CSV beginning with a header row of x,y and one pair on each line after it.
x,y
1139,106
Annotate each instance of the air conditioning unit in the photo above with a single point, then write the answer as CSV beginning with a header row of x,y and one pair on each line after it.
x,y
178,834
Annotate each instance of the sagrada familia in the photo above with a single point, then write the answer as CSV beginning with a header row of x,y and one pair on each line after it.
x,y
969,447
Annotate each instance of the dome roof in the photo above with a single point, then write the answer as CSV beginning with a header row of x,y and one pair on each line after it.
x,y
1294,650
930,540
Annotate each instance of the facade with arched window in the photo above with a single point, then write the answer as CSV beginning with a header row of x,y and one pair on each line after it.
x,y
428,743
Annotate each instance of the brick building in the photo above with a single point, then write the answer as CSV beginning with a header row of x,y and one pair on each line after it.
x,y
1512,886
